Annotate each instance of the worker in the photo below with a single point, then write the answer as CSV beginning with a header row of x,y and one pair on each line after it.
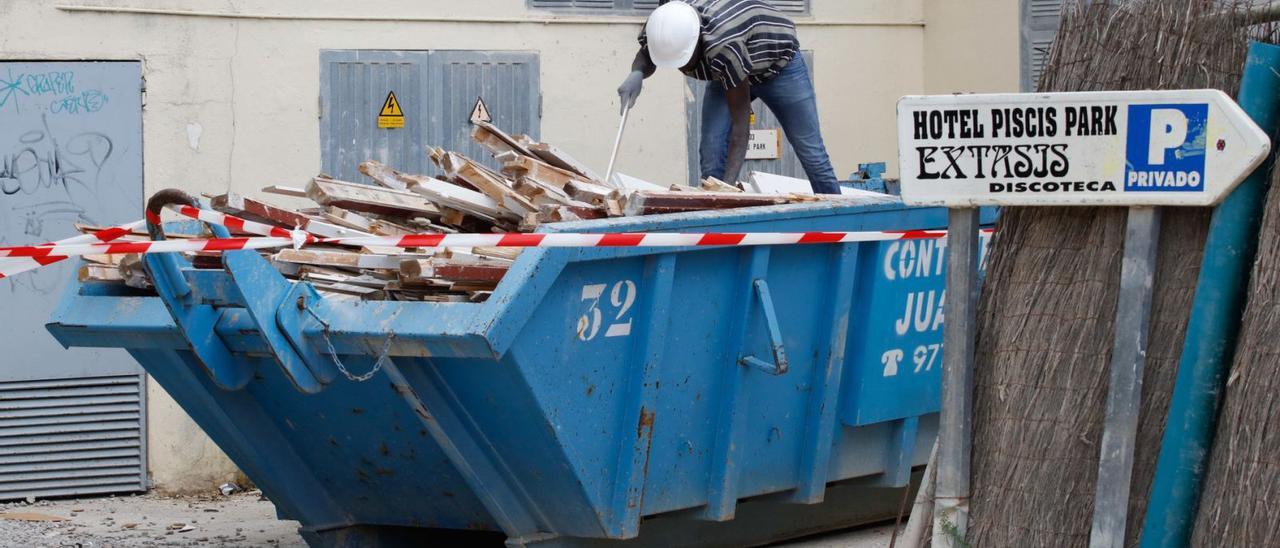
x,y
748,50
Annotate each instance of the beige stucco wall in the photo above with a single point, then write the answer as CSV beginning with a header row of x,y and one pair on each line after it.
x,y
181,458
971,46
232,103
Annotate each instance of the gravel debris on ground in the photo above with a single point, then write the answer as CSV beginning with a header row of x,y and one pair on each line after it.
x,y
242,519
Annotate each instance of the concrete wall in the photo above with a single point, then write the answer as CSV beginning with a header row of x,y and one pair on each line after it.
x,y
232,100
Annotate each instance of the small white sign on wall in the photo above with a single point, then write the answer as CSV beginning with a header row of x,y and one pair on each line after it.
x,y
764,144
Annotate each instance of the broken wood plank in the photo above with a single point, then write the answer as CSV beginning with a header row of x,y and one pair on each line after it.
x,y
135,271
768,183
435,268
491,184
441,192
100,273
563,213
290,191
627,182
614,207
550,154
349,219
373,225
497,141
113,260
507,253
650,203
369,199
589,192
331,230
254,210
343,259
206,260
712,184
532,168
541,194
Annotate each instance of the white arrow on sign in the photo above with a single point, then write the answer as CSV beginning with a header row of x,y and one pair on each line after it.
x,y
1188,148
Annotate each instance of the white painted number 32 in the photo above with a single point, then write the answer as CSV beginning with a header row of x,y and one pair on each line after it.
x,y
622,296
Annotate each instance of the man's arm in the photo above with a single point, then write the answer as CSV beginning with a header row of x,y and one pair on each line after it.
x,y
739,100
641,68
643,64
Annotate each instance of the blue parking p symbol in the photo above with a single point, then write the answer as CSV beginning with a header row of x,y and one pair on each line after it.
x,y
1166,148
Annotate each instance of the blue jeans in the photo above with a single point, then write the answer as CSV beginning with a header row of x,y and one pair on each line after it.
x,y
791,98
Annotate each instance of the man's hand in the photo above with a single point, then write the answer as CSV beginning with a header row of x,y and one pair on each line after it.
x,y
630,89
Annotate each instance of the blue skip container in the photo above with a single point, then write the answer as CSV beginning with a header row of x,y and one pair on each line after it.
x,y
600,397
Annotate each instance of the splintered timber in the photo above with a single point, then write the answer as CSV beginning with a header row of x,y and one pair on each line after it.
x,y
531,184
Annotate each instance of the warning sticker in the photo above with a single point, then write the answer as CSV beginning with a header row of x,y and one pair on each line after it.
x,y
481,112
391,116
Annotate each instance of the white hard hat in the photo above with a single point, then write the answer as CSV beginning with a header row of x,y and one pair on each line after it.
x,y
672,33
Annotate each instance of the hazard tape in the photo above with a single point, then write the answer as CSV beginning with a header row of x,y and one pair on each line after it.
x,y
17,265
240,225
633,239
22,258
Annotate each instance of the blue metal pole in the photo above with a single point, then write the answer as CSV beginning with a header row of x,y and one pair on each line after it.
x,y
1214,324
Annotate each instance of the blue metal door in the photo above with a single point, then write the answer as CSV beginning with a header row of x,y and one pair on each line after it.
x,y
437,91
71,421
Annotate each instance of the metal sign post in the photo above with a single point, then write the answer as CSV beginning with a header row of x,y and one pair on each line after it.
x,y
1124,392
951,513
1140,149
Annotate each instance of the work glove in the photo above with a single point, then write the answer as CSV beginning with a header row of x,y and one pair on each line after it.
x,y
629,91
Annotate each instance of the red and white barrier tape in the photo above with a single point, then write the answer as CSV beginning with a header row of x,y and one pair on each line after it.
x,y
22,258
16,265
481,240
240,225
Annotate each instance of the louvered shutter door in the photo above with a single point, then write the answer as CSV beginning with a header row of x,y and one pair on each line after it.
x,y
75,436
1040,20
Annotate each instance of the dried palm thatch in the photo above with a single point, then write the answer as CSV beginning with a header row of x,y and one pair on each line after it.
x,y
1046,315
1238,506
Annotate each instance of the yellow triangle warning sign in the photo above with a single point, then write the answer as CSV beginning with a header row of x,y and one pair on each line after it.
x,y
391,107
391,116
481,112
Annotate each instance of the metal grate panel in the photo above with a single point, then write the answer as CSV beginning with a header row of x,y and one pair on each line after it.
x,y
72,437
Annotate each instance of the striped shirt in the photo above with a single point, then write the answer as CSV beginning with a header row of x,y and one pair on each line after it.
x,y
742,40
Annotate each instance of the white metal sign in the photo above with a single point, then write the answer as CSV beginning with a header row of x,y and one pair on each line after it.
x,y
764,144
1095,148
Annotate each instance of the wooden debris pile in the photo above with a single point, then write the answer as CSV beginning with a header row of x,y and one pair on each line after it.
x,y
536,184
